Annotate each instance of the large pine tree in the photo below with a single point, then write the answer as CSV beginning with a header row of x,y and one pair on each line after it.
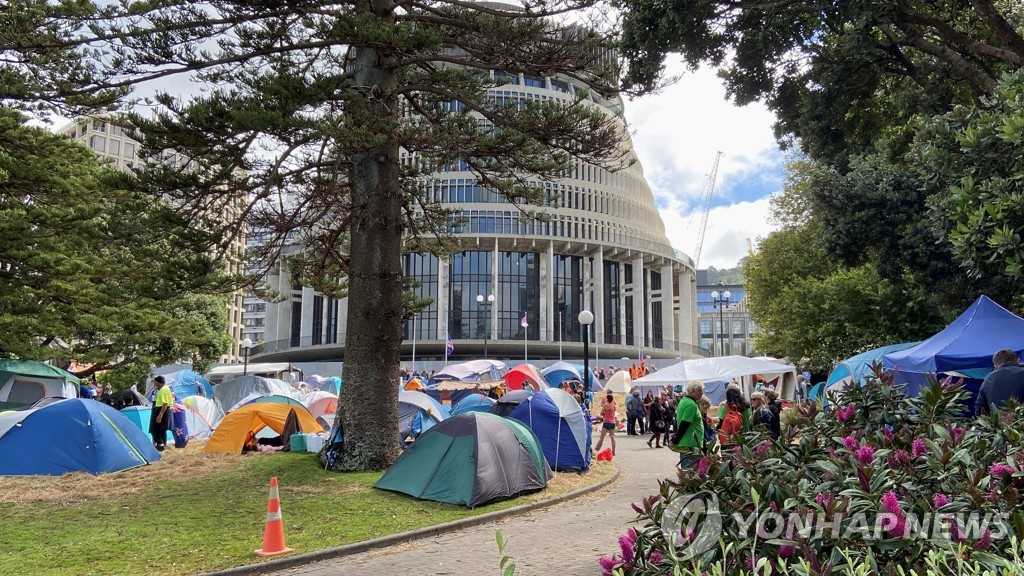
x,y
332,116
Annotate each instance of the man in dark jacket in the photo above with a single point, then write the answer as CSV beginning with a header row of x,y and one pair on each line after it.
x,y
1003,383
634,412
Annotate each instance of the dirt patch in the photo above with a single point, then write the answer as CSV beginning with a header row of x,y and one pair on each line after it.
x,y
567,481
176,464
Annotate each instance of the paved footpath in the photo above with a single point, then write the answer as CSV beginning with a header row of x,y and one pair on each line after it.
x,y
565,539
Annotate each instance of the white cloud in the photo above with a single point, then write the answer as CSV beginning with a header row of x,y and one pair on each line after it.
x,y
676,135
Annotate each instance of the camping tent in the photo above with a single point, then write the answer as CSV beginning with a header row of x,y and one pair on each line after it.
x,y
968,343
245,423
202,415
561,371
525,374
74,435
331,384
507,403
561,426
417,412
470,459
472,403
858,367
127,397
22,382
231,393
281,370
721,368
473,371
619,382
184,383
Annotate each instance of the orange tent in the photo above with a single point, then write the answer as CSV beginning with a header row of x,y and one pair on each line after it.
x,y
525,374
414,384
242,424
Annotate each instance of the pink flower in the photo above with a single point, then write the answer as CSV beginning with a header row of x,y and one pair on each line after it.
x,y
999,469
888,433
984,541
958,435
920,448
762,448
825,499
865,455
954,530
939,499
851,443
608,564
891,503
626,544
844,414
702,468
786,552
773,506
898,458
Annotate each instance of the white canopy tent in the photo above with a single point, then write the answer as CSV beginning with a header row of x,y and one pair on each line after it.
x,y
280,370
721,368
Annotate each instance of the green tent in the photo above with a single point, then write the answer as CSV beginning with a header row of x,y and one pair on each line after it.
x,y
23,382
470,459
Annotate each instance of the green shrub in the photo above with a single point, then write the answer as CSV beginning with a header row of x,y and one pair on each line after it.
x,y
875,483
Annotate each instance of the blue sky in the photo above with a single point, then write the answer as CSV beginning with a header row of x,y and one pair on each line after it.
x,y
676,134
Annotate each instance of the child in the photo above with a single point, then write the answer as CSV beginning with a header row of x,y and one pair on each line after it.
x,y
709,431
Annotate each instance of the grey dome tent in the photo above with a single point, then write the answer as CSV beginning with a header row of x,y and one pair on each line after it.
x,y
470,459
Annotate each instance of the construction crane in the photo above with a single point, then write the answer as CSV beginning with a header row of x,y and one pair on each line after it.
x,y
705,204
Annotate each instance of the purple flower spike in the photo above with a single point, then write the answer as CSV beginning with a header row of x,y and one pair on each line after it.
x,y
865,455
851,443
939,499
920,448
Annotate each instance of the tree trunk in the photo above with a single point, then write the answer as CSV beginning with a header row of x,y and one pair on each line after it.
x,y
368,407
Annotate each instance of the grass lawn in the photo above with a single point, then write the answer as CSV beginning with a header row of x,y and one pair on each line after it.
x,y
196,512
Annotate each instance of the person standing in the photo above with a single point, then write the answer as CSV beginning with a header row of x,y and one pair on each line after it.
x,y
608,421
1004,383
634,406
690,425
656,423
160,416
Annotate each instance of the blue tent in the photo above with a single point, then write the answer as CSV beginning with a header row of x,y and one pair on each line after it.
x,y
73,435
859,367
968,343
417,413
184,383
561,426
561,371
472,403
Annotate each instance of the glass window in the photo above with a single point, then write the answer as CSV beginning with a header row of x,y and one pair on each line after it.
x,y
560,86
535,81
115,147
98,143
129,150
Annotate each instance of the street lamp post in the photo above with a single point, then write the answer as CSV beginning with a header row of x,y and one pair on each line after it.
x,y
246,344
486,304
586,318
721,300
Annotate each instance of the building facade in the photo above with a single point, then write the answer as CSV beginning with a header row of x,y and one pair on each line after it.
x,y
603,249
725,327
111,142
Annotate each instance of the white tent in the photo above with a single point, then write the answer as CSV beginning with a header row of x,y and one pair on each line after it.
x,y
266,369
231,393
723,368
202,416
619,382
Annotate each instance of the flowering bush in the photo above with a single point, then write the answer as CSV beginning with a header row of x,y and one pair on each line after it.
x,y
874,479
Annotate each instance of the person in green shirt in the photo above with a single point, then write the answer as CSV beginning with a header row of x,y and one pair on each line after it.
x,y
161,414
690,424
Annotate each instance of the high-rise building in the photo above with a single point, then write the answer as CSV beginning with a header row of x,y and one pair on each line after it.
x,y
726,328
604,249
110,142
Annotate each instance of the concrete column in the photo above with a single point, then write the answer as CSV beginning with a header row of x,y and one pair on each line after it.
x,y
547,291
668,324
495,289
639,302
306,327
598,299
688,306
622,303
277,312
443,298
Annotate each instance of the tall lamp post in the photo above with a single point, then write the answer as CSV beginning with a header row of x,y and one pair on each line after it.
x,y
721,300
586,318
486,304
246,344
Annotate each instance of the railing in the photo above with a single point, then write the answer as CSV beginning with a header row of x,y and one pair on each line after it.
x,y
675,347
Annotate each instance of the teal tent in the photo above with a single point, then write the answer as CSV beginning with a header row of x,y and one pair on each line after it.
x,y
24,382
470,459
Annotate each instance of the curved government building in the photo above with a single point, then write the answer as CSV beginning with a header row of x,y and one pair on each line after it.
x,y
604,250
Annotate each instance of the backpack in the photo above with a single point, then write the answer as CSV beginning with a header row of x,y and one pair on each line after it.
x,y
730,425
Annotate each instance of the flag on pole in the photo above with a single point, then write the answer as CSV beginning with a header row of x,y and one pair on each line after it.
x,y
449,348
523,322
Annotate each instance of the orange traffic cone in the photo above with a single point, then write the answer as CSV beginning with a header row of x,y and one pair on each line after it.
x,y
273,531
